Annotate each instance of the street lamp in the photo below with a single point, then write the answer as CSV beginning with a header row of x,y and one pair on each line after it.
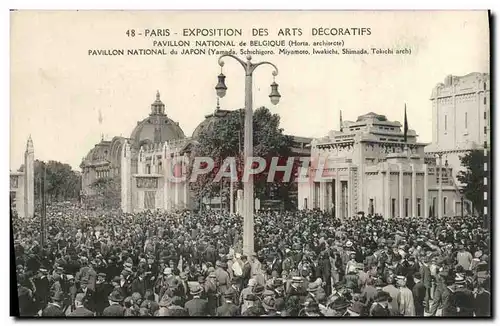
x,y
248,189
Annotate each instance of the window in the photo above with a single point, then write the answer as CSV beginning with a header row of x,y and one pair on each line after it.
x,y
393,208
465,120
444,205
148,169
372,207
445,122
406,206
419,203
305,203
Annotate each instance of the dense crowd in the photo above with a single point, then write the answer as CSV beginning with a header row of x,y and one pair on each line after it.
x,y
105,263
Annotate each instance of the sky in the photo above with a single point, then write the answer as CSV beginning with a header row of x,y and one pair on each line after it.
x,y
57,89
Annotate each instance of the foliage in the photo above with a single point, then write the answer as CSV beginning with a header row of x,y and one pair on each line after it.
x,y
224,138
106,193
472,177
61,182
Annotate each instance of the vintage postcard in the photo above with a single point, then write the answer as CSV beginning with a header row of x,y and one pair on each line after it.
x,y
250,163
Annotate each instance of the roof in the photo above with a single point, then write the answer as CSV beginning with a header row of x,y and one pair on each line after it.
x,y
156,128
370,116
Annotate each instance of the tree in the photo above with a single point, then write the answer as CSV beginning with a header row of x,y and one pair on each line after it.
x,y
106,192
472,177
224,138
61,182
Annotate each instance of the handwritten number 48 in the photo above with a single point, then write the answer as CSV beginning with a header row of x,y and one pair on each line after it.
x,y
130,33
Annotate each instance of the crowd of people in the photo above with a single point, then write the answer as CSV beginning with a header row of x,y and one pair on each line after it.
x,y
306,263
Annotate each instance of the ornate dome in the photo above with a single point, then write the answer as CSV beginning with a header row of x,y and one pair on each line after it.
x,y
370,116
157,127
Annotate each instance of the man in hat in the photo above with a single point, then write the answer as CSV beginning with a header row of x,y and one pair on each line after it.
x,y
379,308
463,297
315,290
405,298
228,308
311,309
100,297
175,308
269,305
394,293
483,300
80,310
41,284
254,306
197,307
443,296
115,308
418,294
249,289
86,272
425,273
54,309
464,257
210,290
297,289
222,277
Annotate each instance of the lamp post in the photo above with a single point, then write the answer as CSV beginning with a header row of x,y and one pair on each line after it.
x,y
248,189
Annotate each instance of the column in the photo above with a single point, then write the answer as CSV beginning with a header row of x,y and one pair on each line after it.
x,y
125,178
426,192
380,197
401,185
413,191
350,191
166,179
184,182
29,180
176,183
322,195
388,191
440,189
338,190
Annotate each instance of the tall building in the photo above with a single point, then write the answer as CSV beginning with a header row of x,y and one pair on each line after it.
x,y
460,117
367,166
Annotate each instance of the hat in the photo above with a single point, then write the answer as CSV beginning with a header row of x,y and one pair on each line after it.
x,y
379,283
116,296
79,297
57,297
102,274
167,271
381,296
401,278
126,272
348,243
196,289
250,297
340,303
70,277
230,293
312,287
269,303
268,293
296,279
459,279
258,289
